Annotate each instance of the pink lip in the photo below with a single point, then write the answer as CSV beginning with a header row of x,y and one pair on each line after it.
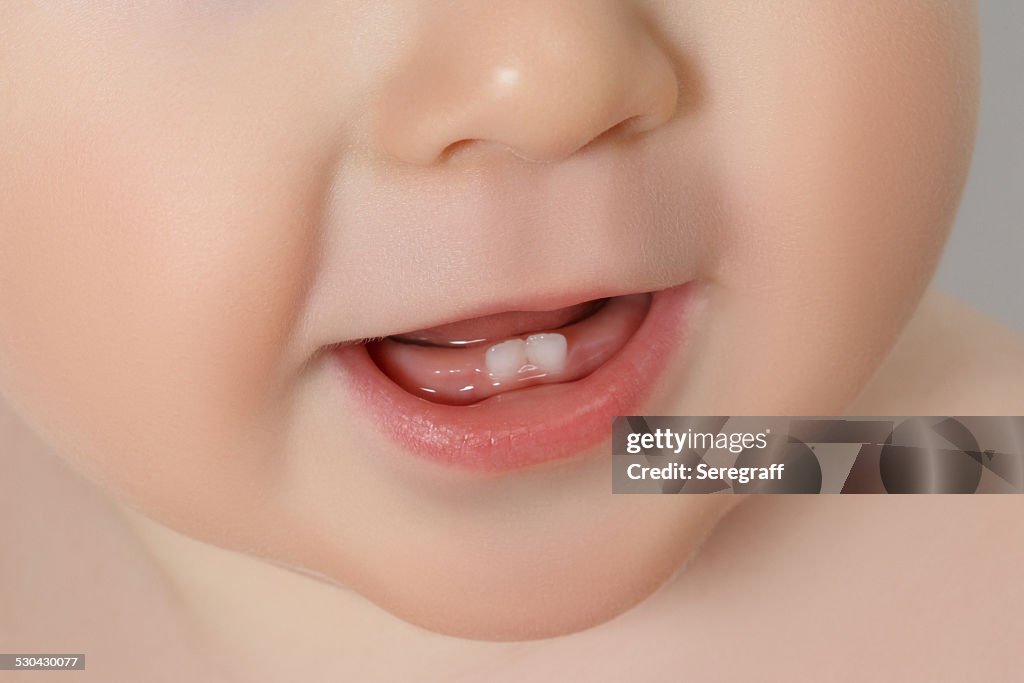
x,y
522,428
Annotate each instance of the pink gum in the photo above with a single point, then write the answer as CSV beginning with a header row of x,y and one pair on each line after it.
x,y
458,376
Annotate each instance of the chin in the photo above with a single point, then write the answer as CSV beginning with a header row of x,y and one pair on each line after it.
x,y
541,582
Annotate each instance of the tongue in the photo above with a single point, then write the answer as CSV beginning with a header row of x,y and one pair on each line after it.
x,y
498,326
464,375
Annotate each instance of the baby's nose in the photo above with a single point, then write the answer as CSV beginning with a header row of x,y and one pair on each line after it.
x,y
543,78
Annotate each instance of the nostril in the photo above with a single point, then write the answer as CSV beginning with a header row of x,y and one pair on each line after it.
x,y
455,148
623,131
481,147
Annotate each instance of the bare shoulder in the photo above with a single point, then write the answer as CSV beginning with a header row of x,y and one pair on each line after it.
x,y
950,360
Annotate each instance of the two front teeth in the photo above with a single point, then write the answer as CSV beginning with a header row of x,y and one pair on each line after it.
x,y
545,352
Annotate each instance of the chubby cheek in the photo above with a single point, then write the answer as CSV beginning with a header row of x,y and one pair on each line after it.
x,y
145,307
843,150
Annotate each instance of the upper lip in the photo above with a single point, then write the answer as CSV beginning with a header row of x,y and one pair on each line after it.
x,y
487,328
537,302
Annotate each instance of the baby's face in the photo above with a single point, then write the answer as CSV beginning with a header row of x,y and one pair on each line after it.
x,y
199,201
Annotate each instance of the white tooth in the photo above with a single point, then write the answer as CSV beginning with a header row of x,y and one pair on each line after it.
x,y
547,351
505,359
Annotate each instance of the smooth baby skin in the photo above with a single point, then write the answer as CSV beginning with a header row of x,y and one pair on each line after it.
x,y
888,570
197,198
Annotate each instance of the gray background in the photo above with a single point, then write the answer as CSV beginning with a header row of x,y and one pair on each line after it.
x,y
984,262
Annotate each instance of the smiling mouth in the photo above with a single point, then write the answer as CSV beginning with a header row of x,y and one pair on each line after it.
x,y
473,360
512,389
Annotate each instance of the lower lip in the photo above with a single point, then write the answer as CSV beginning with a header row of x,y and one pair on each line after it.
x,y
540,424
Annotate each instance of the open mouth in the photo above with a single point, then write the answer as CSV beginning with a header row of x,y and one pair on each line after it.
x,y
513,389
474,360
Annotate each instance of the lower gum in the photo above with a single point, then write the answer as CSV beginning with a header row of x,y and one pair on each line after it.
x,y
458,376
